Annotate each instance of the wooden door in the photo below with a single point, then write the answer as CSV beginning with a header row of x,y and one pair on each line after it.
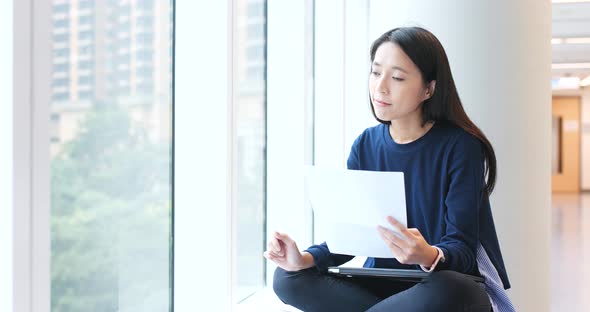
x,y
566,144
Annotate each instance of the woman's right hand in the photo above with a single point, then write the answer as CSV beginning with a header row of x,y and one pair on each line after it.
x,y
283,251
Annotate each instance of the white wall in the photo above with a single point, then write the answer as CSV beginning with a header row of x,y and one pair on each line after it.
x,y
584,95
6,37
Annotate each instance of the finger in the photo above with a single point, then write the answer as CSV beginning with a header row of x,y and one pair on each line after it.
x,y
269,245
275,246
284,237
398,226
415,232
395,249
275,256
393,237
271,255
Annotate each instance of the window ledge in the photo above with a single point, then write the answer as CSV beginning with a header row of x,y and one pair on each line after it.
x,y
263,300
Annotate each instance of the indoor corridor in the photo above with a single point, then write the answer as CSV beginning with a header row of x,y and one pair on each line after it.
x,y
570,251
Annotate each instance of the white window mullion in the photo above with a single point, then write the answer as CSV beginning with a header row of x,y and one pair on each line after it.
x,y
357,115
329,83
40,187
203,156
22,241
288,120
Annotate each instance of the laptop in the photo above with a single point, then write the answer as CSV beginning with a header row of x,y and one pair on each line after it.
x,y
397,274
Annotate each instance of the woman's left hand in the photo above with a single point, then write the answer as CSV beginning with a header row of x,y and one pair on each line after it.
x,y
408,246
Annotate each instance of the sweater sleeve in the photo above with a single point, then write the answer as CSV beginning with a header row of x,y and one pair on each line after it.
x,y
322,256
463,201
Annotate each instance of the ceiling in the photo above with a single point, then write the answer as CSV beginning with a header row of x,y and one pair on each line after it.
x,y
571,20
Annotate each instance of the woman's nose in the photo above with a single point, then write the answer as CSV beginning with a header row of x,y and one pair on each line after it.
x,y
381,85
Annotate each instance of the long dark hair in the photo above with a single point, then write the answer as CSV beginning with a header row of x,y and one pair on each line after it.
x,y
428,54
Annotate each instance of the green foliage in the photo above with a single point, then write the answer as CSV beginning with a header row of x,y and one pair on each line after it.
x,y
110,226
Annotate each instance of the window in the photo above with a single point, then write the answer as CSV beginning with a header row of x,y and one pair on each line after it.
x,y
122,58
86,49
61,38
145,55
145,72
86,95
251,147
254,52
60,96
86,4
124,25
123,75
256,9
86,35
110,179
63,82
86,19
61,8
145,88
61,52
85,65
255,31
145,4
86,80
62,23
145,38
61,67
145,21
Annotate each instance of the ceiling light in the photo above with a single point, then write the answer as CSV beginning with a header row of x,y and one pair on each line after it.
x,y
578,40
565,83
557,40
570,66
585,82
569,1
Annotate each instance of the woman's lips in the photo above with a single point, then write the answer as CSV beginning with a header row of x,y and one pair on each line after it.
x,y
380,103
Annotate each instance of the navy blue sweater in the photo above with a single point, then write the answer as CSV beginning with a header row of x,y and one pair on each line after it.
x,y
444,180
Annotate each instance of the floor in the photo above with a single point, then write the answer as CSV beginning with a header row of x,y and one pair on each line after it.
x,y
570,270
570,263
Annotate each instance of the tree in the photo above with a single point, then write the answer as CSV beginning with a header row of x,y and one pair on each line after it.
x,y
110,226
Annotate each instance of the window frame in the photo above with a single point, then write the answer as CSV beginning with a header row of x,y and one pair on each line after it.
x,y
6,158
31,198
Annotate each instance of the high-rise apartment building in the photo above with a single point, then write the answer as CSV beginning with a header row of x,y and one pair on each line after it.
x,y
110,52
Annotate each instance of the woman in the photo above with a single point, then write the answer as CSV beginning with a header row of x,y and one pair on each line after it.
x,y
425,133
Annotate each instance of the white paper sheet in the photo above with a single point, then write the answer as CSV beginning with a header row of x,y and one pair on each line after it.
x,y
349,204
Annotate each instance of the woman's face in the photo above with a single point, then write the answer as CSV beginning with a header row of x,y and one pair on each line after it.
x,y
395,84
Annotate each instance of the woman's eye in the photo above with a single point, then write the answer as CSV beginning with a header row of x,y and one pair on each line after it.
x,y
398,79
374,73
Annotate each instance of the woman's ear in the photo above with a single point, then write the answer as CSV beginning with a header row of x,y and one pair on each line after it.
x,y
429,90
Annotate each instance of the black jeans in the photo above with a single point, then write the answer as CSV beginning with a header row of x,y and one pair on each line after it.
x,y
310,291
